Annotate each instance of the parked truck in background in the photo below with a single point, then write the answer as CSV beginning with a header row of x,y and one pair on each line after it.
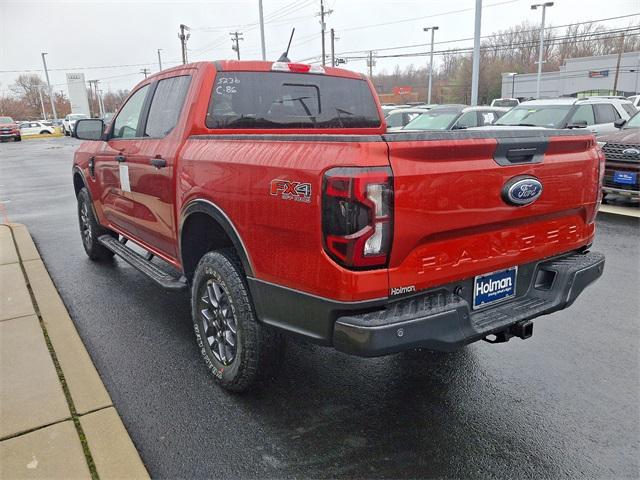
x,y
275,191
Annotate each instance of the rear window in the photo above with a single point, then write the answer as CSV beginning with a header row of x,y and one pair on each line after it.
x,y
290,100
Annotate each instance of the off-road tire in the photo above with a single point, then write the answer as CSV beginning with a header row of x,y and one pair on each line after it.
x,y
258,348
86,219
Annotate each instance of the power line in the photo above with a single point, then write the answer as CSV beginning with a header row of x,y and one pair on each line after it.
x,y
484,37
501,47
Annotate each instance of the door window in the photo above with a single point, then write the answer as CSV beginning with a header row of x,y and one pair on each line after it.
x,y
606,113
584,113
487,118
467,120
394,120
166,106
128,119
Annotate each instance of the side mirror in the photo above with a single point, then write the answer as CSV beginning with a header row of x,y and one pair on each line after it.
x,y
619,123
577,124
89,129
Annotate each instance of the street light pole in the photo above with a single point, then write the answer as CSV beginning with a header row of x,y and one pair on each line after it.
x,y
159,60
46,74
433,31
262,46
44,112
541,52
513,82
475,74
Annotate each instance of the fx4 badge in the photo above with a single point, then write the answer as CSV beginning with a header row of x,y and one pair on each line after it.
x,y
300,192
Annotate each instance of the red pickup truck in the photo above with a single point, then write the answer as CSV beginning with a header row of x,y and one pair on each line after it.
x,y
273,192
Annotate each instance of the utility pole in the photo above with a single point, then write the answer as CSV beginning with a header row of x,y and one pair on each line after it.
x,y
371,63
333,48
323,27
235,42
541,52
101,103
100,106
183,41
262,46
92,87
433,31
145,72
159,60
475,74
620,50
44,112
46,74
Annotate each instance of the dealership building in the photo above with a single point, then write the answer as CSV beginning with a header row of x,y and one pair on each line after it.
x,y
578,77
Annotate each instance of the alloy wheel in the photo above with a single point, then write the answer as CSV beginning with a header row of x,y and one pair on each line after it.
x,y
219,323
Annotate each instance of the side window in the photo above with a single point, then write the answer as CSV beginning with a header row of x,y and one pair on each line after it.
x,y
606,113
166,106
394,120
629,108
469,119
584,113
126,124
411,116
487,118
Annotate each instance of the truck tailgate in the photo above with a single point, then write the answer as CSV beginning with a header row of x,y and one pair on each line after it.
x,y
451,219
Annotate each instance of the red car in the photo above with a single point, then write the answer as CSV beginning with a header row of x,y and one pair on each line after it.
x,y
9,130
275,191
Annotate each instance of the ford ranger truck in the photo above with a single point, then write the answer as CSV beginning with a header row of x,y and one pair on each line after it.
x,y
272,192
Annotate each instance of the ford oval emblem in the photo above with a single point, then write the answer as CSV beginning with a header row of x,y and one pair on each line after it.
x,y
522,190
634,152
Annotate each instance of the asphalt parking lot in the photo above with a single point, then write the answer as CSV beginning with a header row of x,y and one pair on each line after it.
x,y
565,403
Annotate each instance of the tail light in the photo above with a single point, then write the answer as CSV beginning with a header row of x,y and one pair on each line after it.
x,y
357,216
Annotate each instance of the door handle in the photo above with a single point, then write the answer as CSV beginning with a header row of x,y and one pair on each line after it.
x,y
121,158
158,162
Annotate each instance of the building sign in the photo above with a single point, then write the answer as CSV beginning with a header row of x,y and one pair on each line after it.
x,y
78,93
402,90
598,73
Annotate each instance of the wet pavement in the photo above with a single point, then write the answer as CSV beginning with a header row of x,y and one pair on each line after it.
x,y
565,402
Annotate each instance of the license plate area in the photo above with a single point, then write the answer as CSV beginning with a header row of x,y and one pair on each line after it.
x,y
625,178
494,287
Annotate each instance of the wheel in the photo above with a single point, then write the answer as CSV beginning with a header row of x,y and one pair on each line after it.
x,y
45,132
17,139
90,229
236,348
64,130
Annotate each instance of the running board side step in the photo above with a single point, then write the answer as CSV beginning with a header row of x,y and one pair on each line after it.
x,y
139,262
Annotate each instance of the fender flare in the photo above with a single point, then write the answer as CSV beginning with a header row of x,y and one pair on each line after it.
x,y
214,211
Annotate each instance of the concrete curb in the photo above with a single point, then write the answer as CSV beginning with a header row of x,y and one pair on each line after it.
x,y
618,210
108,450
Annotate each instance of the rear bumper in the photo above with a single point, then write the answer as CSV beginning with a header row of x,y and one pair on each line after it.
x,y
443,320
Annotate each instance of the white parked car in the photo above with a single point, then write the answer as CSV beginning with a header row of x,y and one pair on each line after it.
x,y
69,122
399,117
35,128
596,114
505,102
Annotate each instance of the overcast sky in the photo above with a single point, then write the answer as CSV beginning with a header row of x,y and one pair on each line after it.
x,y
125,35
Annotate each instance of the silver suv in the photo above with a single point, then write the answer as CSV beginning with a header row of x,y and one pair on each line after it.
x,y
598,114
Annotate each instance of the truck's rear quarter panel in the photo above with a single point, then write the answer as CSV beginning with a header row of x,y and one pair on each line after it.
x,y
452,223
283,237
